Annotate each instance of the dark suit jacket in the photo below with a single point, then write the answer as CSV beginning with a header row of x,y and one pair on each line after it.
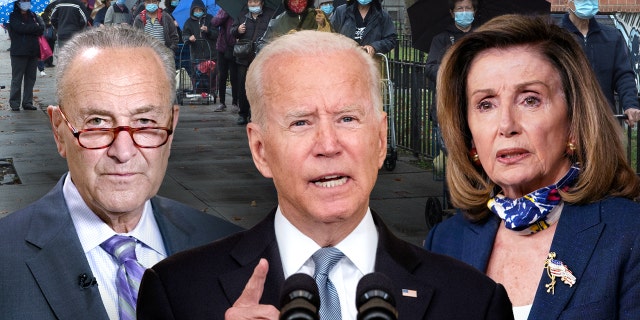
x,y
599,243
41,257
204,282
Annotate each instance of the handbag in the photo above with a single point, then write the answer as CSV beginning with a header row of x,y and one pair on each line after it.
x,y
45,49
243,48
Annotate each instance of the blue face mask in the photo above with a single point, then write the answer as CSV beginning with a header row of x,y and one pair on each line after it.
x,y
586,9
151,7
174,3
364,2
24,6
327,8
198,14
464,18
255,10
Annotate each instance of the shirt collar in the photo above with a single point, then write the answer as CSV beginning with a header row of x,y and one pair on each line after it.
x,y
296,248
92,231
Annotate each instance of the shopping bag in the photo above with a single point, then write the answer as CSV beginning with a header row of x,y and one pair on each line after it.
x,y
45,50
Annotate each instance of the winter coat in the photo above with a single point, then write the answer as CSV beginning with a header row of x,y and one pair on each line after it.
x,y
69,17
24,32
204,48
224,22
609,57
255,29
117,15
380,32
169,27
439,46
287,22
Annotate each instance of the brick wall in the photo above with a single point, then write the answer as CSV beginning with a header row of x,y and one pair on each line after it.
x,y
606,6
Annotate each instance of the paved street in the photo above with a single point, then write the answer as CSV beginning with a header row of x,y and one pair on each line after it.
x,y
210,166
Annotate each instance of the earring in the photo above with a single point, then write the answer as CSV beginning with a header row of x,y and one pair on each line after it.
x,y
571,148
475,158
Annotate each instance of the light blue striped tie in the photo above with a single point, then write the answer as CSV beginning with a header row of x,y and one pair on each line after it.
x,y
129,273
325,259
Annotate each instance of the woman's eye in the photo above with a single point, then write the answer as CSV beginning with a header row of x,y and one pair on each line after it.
x,y
484,105
531,101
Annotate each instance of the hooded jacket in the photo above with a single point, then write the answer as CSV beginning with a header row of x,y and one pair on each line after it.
x,y
379,31
204,48
24,32
224,22
289,21
170,30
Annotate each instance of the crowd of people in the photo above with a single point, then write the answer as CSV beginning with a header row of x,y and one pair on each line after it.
x,y
546,202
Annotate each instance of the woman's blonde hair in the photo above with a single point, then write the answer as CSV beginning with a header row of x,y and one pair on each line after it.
x,y
595,133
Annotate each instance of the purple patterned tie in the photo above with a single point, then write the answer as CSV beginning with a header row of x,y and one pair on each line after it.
x,y
129,273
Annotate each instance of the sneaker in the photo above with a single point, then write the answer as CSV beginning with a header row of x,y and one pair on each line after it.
x,y
241,121
29,107
42,73
221,107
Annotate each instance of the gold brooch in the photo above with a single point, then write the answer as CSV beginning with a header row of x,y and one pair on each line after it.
x,y
556,268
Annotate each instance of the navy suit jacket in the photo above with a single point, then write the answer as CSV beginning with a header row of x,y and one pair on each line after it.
x,y
204,282
41,257
599,243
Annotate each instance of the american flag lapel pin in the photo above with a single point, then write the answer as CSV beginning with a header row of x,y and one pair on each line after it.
x,y
409,293
557,269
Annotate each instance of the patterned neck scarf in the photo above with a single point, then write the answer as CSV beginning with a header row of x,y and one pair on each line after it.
x,y
535,211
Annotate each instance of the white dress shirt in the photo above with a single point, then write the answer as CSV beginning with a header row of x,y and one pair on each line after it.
x,y
359,248
92,231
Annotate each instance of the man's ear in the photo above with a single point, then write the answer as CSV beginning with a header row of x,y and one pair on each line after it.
x,y
57,124
256,137
382,140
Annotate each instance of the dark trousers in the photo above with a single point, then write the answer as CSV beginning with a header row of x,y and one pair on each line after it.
x,y
243,103
227,68
23,68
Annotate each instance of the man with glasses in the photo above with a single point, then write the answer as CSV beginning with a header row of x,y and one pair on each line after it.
x,y
80,251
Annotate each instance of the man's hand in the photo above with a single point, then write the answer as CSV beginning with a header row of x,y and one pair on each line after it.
x,y
633,115
248,304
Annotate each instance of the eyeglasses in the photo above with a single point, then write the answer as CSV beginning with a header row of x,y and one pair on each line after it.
x,y
100,138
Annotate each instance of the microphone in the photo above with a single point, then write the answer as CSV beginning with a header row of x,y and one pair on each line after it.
x,y
374,298
299,298
85,282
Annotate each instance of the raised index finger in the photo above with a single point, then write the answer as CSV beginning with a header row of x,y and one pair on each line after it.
x,y
255,286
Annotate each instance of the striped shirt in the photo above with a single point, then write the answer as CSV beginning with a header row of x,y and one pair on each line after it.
x,y
154,28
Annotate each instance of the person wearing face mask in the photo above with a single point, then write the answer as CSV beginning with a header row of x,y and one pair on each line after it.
x,y
608,55
298,15
100,12
324,12
201,37
158,25
368,24
462,14
118,14
251,26
26,27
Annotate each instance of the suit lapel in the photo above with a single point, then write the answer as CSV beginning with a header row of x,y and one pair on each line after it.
x,y
60,260
576,236
396,261
175,232
478,243
259,242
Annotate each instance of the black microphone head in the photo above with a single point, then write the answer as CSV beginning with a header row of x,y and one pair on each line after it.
x,y
299,298
375,297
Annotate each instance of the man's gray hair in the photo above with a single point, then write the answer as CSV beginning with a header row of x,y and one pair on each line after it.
x,y
118,36
308,43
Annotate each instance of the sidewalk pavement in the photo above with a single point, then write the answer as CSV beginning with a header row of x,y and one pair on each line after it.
x,y
210,167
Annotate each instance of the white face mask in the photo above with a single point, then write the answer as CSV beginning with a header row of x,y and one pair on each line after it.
x,y
24,6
